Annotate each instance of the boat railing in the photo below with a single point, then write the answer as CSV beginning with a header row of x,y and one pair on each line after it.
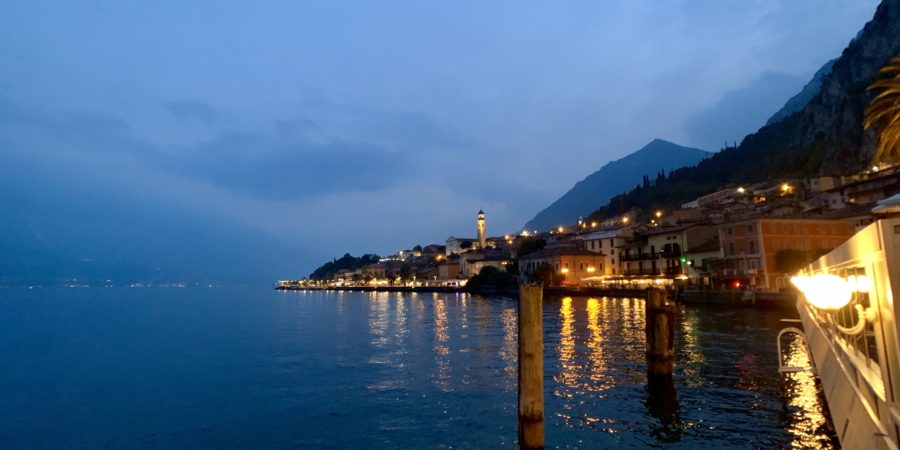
x,y
851,333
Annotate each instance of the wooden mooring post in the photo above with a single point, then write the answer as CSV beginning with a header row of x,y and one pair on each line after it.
x,y
531,367
660,331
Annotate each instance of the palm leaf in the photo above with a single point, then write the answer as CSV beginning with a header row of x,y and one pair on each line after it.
x,y
883,113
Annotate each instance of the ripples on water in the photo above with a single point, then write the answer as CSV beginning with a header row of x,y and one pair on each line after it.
x,y
190,368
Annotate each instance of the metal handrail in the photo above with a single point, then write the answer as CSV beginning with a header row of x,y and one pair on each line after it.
x,y
781,367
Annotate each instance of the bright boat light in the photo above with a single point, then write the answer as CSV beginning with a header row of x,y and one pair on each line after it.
x,y
824,291
860,283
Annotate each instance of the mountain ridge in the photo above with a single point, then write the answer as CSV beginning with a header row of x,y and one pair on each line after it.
x,y
825,137
613,178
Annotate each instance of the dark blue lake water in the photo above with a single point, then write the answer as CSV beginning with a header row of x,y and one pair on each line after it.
x,y
254,368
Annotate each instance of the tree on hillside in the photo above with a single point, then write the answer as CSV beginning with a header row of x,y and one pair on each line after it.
x,y
883,113
328,270
529,246
405,272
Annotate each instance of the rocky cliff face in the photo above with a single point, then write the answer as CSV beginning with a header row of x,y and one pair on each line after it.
x,y
797,102
831,123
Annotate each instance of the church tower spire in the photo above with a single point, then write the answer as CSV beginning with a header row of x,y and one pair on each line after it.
x,y
482,230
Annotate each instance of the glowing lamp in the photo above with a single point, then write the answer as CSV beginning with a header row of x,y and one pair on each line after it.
x,y
564,270
560,229
824,291
591,269
859,283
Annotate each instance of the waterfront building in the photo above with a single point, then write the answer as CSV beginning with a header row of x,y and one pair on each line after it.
x,y
663,251
866,189
609,243
671,244
820,184
455,245
573,263
751,247
471,263
448,270
702,260
373,271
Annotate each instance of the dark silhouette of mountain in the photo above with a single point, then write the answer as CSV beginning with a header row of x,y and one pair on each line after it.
x,y
614,178
825,137
809,91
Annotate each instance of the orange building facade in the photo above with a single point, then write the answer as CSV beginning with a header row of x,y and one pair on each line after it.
x,y
573,263
750,247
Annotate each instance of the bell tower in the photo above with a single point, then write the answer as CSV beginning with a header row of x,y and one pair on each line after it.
x,y
482,230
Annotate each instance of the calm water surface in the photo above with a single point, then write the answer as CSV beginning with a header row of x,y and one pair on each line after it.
x,y
253,368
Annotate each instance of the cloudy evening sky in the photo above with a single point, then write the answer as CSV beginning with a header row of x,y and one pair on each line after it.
x,y
331,127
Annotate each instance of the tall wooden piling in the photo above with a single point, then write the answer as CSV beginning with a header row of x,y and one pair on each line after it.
x,y
531,367
660,332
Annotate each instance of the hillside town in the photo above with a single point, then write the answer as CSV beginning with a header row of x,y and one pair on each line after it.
x,y
748,238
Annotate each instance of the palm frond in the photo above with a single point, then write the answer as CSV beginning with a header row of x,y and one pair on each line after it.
x,y
883,113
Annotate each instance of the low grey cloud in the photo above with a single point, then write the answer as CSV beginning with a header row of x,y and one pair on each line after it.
x,y
293,160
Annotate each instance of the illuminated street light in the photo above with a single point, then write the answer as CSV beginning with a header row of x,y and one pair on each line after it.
x,y
741,190
560,229
564,270
591,269
785,187
625,219
658,213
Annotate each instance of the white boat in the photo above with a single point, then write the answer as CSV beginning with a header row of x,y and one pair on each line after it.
x,y
848,314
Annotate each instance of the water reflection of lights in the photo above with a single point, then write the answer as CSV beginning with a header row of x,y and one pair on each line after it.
x,y
633,334
441,350
807,416
595,354
510,348
400,318
378,318
463,312
597,357
419,306
567,374
688,351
